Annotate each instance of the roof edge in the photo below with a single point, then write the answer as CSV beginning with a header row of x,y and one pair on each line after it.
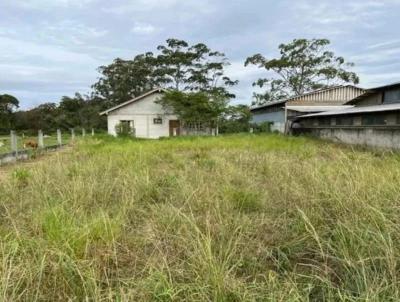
x,y
138,98
268,104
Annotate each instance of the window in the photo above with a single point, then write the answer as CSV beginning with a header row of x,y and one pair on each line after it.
x,y
371,119
391,96
344,121
157,121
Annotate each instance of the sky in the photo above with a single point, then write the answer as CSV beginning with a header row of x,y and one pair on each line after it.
x,y
52,48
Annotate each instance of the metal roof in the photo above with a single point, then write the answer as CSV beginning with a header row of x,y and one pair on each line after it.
x,y
317,108
385,86
133,100
308,96
371,91
354,110
269,104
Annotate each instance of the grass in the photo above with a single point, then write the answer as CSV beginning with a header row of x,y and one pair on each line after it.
x,y
235,218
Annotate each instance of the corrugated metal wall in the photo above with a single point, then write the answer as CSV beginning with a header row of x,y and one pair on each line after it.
x,y
336,95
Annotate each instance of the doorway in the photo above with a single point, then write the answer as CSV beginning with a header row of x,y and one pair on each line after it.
x,y
174,128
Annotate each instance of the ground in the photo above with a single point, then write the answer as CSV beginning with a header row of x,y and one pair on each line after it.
x,y
234,218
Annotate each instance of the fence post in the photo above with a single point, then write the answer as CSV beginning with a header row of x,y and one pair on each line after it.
x,y
92,131
14,142
40,139
83,132
59,139
72,133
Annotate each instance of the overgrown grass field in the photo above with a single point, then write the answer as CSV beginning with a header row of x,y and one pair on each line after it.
x,y
235,218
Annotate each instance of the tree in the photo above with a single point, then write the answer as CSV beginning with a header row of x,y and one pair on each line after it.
x,y
194,107
125,79
193,68
304,65
8,104
236,119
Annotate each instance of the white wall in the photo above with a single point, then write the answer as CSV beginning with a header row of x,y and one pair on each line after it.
x,y
142,113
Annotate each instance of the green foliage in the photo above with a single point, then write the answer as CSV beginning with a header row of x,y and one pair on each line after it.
x,y
123,80
304,65
194,68
236,119
124,129
177,65
194,107
264,127
71,112
8,104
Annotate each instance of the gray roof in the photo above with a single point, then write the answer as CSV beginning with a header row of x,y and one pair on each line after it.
x,y
354,110
133,100
269,104
385,86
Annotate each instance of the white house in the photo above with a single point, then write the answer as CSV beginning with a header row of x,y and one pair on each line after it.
x,y
148,118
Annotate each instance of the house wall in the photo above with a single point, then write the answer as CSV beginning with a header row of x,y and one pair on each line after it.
x,y
142,114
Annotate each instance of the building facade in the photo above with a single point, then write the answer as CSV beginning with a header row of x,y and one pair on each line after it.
x,y
281,113
373,121
147,118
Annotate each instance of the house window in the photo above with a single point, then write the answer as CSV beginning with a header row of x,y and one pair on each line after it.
x,y
344,121
157,121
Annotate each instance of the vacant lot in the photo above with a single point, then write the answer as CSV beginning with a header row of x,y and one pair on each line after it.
x,y
238,218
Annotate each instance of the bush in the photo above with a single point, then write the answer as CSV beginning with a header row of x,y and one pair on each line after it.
x,y
124,129
263,127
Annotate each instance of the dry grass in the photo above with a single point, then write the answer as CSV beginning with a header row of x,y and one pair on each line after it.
x,y
237,218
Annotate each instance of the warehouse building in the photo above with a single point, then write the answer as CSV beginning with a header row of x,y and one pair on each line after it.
x,y
281,113
373,121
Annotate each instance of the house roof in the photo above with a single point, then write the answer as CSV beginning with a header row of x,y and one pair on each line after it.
x,y
355,110
156,90
269,104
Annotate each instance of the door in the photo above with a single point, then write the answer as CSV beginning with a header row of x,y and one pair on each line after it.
x,y
174,128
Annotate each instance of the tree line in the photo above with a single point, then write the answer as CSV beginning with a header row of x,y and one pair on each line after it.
x,y
199,90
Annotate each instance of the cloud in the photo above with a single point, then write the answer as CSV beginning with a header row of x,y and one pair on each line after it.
x,y
143,28
46,4
53,47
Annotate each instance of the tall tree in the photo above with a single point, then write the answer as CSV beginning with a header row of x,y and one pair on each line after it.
x,y
193,68
8,104
304,65
126,79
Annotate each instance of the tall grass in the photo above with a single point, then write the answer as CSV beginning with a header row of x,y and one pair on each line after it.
x,y
235,218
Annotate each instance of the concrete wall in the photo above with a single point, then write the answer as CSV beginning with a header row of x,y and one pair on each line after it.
x,y
373,137
142,114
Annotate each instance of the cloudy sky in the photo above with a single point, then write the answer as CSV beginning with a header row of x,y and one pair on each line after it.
x,y
51,48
